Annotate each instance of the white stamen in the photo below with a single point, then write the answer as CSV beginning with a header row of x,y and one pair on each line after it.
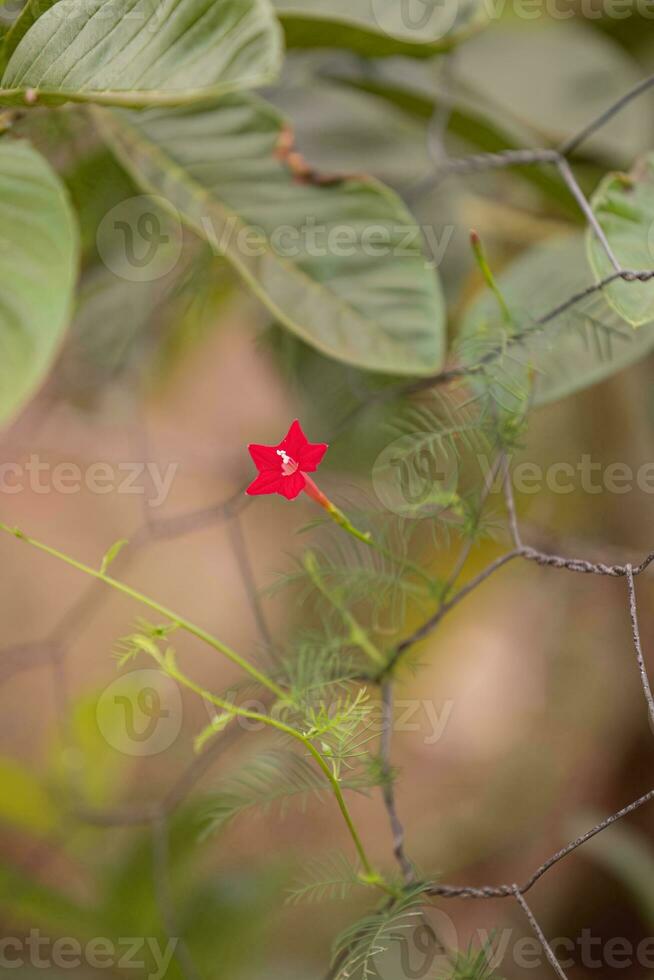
x,y
289,466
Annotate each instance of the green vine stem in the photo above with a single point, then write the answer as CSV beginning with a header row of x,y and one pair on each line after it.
x,y
369,875
433,584
169,666
157,607
356,633
337,515
487,273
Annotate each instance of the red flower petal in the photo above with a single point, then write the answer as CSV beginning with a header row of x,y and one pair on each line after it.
x,y
266,482
265,457
307,454
273,470
294,441
292,485
311,456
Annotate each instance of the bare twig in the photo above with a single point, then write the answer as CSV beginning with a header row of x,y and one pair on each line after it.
x,y
432,622
388,790
242,556
510,505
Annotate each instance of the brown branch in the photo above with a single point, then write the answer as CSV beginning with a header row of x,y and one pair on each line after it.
x,y
388,790
529,554
239,547
444,608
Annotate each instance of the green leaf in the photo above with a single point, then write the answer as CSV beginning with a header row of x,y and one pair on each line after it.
x,y
480,129
86,762
110,320
28,16
566,74
581,346
34,904
38,267
274,777
379,28
332,877
217,725
144,52
24,801
112,554
362,945
624,207
340,262
357,133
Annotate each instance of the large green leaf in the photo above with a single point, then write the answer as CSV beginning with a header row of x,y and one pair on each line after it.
x,y
28,16
358,133
577,348
477,125
144,52
378,28
555,77
341,263
110,319
38,266
624,207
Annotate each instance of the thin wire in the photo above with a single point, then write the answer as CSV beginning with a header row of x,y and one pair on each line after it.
x,y
52,651
549,952
635,632
574,142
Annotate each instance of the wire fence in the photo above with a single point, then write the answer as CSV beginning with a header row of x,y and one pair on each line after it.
x,y
51,651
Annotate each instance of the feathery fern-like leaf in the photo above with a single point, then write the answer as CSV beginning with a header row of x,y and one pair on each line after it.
x,y
357,947
472,964
326,878
274,777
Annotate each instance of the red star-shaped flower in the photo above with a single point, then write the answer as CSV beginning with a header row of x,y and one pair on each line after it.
x,y
282,468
